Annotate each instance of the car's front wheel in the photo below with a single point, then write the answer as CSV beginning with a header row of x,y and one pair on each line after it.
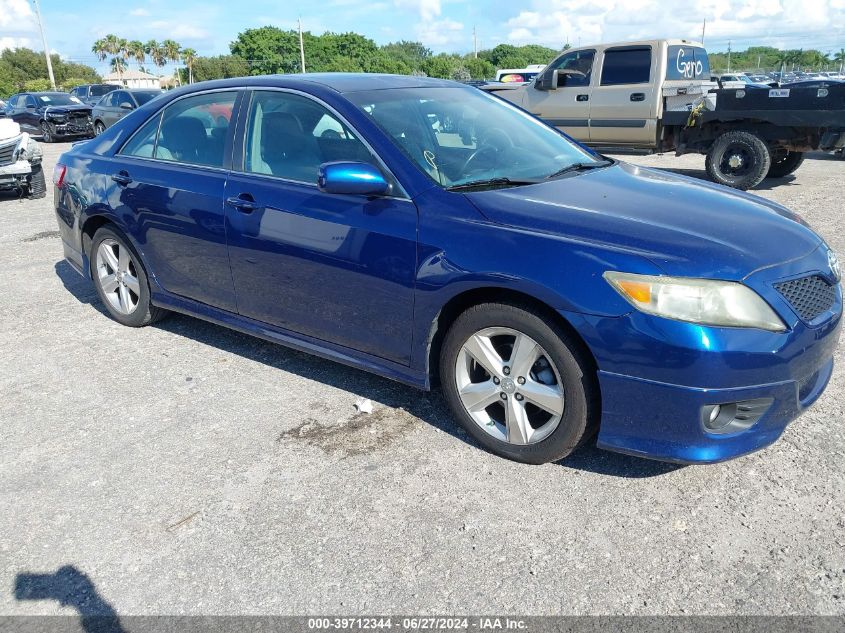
x,y
518,382
99,128
46,133
121,280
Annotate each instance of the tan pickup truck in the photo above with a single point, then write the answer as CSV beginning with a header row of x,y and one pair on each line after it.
x,y
657,96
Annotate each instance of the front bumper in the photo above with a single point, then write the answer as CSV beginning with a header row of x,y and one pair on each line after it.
x,y
15,175
659,377
71,128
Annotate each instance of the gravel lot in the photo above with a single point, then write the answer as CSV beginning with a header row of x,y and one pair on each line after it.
x,y
185,468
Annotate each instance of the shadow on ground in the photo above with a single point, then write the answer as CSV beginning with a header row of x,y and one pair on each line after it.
x,y
71,588
427,406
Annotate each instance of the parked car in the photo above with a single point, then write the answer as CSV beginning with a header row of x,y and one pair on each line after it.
x,y
117,104
2,108
52,115
655,96
92,93
550,291
20,162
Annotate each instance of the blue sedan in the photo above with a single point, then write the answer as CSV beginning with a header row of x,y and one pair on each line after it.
x,y
436,235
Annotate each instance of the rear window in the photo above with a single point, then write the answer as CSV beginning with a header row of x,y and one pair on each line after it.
x,y
687,62
626,66
99,91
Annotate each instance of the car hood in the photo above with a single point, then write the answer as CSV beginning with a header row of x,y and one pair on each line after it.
x,y
65,109
685,226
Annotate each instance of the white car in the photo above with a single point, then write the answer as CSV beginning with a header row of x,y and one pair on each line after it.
x,y
20,162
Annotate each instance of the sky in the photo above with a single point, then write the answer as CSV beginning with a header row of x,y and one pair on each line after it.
x,y
443,25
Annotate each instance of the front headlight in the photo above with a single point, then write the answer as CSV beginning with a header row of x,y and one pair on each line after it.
x,y
701,301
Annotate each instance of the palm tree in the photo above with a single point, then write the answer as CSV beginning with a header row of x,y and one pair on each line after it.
x,y
118,64
171,51
188,56
100,49
154,50
839,58
135,50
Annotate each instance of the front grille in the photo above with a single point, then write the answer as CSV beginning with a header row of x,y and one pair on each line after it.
x,y
808,296
7,153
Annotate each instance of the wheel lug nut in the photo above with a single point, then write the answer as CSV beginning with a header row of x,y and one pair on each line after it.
x,y
507,371
495,380
504,396
519,397
521,380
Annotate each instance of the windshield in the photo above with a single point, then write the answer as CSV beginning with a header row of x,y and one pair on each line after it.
x,y
143,97
461,135
58,98
99,91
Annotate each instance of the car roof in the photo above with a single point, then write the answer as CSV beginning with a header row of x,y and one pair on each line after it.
x,y
45,94
339,82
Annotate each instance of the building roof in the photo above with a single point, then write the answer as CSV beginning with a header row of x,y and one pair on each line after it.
x,y
128,74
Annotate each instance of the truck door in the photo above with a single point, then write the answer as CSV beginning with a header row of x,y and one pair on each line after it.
x,y
623,106
567,105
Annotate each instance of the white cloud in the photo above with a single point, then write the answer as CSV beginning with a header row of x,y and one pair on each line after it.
x,y
17,25
790,23
441,33
16,42
427,9
139,13
181,30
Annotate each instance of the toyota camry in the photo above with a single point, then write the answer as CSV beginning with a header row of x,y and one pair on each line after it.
x,y
436,235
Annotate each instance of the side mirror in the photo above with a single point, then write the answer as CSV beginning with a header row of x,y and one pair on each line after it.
x,y
546,80
125,106
348,177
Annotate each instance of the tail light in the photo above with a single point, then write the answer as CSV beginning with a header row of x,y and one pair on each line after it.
x,y
59,174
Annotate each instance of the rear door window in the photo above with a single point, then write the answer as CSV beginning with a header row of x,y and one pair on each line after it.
x,y
629,65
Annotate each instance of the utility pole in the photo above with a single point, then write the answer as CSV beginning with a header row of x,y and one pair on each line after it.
x,y
703,27
46,49
475,42
729,56
301,48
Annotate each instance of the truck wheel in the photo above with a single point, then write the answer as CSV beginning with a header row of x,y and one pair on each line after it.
x,y
784,163
738,159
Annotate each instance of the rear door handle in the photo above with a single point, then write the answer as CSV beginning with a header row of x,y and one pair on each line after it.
x,y
122,178
582,98
243,203
638,96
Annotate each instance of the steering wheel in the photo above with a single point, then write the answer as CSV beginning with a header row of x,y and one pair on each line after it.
x,y
495,141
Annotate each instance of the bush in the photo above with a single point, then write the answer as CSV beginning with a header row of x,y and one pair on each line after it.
x,y
37,85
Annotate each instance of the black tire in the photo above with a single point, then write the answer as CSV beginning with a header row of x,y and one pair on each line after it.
x,y
579,380
784,163
46,134
99,128
750,151
37,184
145,313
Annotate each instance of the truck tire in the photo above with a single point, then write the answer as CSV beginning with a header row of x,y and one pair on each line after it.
x,y
738,159
784,163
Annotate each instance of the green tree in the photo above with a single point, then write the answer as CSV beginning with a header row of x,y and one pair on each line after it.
x,y
37,85
135,50
267,50
189,55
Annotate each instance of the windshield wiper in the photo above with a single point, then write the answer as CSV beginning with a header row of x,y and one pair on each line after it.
x,y
579,167
488,182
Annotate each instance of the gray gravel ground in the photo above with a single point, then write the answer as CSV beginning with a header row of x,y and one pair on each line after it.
x,y
184,468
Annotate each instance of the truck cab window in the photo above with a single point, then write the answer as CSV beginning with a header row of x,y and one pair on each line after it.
x,y
626,66
580,65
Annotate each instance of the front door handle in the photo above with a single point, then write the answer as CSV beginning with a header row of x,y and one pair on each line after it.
x,y
582,98
122,178
638,96
243,203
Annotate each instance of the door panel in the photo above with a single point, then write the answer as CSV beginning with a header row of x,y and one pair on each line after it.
x,y
624,101
338,268
567,107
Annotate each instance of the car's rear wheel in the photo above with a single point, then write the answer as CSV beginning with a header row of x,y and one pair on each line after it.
x,y
518,382
784,163
121,280
46,134
99,128
738,159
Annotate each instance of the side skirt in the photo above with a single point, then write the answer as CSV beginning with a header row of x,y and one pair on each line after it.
x,y
299,342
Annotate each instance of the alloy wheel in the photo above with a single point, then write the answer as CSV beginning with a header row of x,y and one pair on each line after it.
x,y
118,276
509,385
